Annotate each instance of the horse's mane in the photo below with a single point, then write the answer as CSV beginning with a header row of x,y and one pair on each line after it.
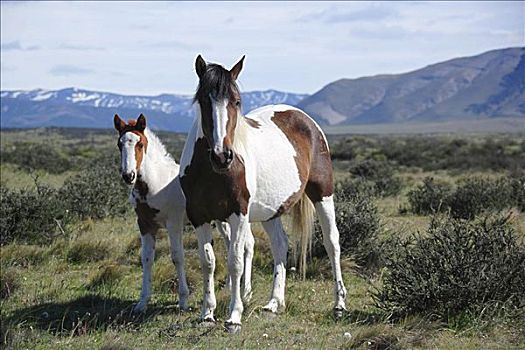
x,y
217,80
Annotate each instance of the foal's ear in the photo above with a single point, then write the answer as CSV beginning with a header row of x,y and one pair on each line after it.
x,y
236,70
141,123
200,66
119,123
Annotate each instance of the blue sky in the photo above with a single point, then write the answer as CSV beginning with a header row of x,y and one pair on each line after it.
x,y
150,48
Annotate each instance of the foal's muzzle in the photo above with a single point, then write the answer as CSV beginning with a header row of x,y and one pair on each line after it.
x,y
129,178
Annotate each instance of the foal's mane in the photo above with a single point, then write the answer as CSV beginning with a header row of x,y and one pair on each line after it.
x,y
158,148
216,81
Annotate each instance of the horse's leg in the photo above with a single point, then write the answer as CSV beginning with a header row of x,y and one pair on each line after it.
x,y
207,257
279,244
175,228
147,256
248,257
239,227
326,212
224,230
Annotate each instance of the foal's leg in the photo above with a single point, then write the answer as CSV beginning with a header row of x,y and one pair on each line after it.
x,y
279,244
239,227
147,256
224,230
175,228
207,257
326,212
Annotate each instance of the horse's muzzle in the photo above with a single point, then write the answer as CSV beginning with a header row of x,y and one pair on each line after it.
x,y
221,162
129,178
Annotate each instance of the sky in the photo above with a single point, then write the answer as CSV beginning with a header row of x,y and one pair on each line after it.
x,y
149,48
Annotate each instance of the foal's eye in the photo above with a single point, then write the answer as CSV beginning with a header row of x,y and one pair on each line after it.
x,y
141,145
238,103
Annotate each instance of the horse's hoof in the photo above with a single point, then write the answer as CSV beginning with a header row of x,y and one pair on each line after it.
x,y
138,309
338,313
208,322
232,328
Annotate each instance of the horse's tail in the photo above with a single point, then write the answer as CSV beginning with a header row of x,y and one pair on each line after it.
x,y
302,228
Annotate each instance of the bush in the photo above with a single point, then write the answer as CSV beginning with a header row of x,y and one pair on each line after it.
x,y
380,174
32,216
96,192
476,195
429,198
472,196
29,156
459,266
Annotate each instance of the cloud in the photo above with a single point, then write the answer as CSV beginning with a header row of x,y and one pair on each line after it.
x,y
75,47
67,70
334,15
16,46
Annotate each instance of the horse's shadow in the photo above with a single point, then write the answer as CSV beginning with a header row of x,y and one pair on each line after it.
x,y
85,314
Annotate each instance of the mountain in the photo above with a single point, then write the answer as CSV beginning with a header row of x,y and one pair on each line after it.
x,y
485,86
74,107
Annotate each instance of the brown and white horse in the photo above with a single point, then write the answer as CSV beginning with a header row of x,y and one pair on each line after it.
x,y
159,202
253,168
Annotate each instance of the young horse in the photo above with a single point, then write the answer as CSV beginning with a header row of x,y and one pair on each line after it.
x,y
254,169
159,202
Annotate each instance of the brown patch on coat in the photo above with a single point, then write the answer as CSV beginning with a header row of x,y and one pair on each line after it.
x,y
231,123
210,195
313,157
146,218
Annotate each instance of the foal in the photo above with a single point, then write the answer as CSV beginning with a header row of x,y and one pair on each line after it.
x,y
159,202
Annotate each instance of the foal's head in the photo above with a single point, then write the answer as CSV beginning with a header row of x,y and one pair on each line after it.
x,y
132,144
219,100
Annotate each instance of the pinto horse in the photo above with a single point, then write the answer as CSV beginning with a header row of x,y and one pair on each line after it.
x,y
159,202
255,168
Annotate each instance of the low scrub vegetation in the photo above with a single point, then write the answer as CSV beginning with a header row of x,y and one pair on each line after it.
x,y
471,197
456,267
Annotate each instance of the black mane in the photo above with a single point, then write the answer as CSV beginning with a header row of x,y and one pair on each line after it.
x,y
216,82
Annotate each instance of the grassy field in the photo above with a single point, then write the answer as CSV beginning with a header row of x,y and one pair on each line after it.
x,y
77,290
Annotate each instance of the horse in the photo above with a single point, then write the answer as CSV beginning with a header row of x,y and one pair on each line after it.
x,y
255,168
159,202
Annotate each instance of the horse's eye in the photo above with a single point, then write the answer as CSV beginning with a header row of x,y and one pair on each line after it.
x,y
238,103
141,145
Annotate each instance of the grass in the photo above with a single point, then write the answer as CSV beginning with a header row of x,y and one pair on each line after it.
x,y
78,291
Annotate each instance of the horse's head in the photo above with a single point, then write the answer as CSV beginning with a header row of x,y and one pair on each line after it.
x,y
219,100
132,143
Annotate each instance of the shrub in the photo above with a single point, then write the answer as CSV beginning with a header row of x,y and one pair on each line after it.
x,y
476,195
459,266
430,197
381,174
96,192
32,216
29,156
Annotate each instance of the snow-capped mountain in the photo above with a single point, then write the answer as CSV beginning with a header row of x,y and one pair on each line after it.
x,y
74,107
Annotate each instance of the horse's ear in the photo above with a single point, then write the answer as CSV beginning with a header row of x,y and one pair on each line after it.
x,y
200,66
236,70
141,123
119,123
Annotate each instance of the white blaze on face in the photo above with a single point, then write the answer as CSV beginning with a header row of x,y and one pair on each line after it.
x,y
127,153
220,119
